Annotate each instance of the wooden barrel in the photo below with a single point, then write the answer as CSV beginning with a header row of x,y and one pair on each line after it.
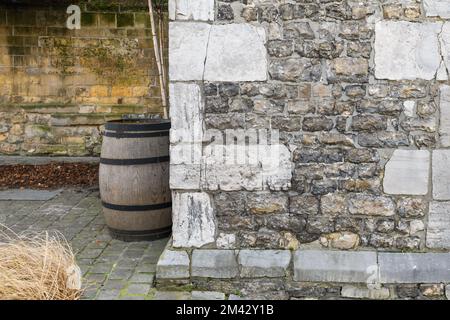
x,y
134,179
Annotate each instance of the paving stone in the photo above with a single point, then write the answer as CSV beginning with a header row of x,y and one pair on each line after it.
x,y
101,268
118,274
172,295
142,278
438,230
264,263
334,266
90,293
173,265
219,264
114,284
146,268
406,50
207,295
108,295
28,195
414,267
90,253
138,288
407,172
132,297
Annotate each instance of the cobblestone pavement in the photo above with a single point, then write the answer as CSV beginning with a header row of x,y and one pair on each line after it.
x,y
112,269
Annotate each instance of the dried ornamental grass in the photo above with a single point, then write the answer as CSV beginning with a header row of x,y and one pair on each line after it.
x,y
39,266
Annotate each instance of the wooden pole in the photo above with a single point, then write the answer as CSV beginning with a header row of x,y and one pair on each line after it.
x,y
158,60
161,46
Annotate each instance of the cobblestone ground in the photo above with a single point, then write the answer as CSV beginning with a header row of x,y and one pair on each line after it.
x,y
111,269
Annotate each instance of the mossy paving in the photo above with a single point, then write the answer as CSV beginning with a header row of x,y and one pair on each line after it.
x,y
111,269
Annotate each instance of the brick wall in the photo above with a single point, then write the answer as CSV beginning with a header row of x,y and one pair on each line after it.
x,y
59,86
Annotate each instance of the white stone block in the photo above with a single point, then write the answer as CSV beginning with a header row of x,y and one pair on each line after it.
x,y
187,50
438,231
409,108
444,39
186,112
199,10
406,50
231,52
236,52
437,8
194,223
185,176
441,174
444,128
407,172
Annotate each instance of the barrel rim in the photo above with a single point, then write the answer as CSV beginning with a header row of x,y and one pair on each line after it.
x,y
137,125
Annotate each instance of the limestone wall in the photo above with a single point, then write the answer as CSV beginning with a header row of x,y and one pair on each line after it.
x,y
355,97
58,86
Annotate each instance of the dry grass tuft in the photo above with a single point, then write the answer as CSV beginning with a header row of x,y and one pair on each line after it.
x,y
37,266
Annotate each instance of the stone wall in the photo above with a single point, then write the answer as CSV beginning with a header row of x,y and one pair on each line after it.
x,y
58,86
355,97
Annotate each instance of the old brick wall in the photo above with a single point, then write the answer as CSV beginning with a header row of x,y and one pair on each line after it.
x,y
358,93
59,86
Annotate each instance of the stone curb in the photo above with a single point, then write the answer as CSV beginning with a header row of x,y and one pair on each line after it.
x,y
14,160
329,266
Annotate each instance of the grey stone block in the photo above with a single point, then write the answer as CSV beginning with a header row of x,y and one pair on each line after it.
x,y
207,295
447,291
407,172
444,123
437,8
220,264
264,263
438,231
173,265
334,266
441,174
414,267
